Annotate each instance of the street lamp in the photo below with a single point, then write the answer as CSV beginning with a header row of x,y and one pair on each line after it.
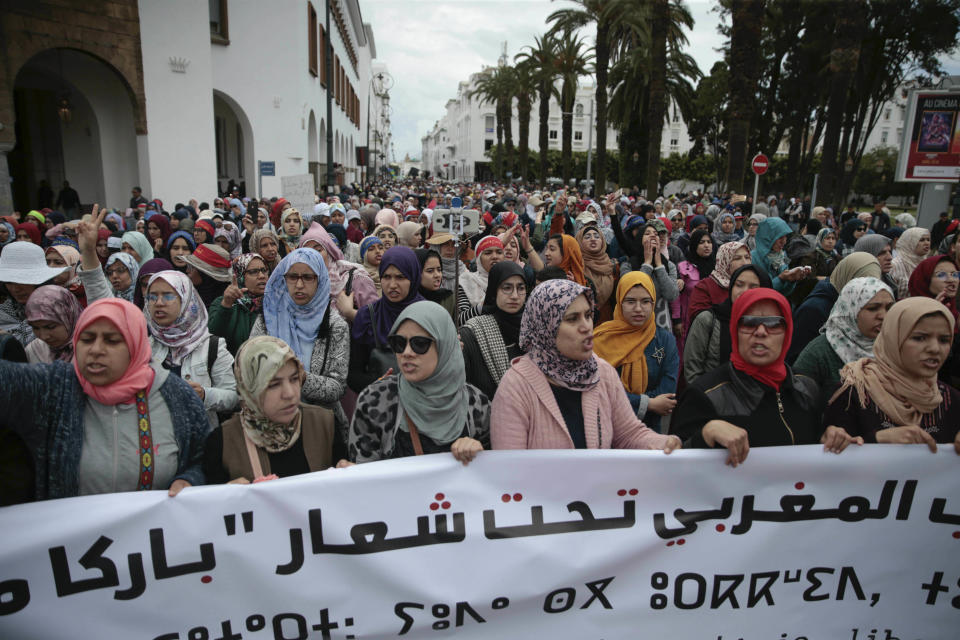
x,y
380,85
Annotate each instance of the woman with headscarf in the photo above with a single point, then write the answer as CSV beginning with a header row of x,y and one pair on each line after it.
x,y
386,217
8,234
769,255
647,256
233,314
387,235
122,270
708,341
181,343
754,400
350,285
158,231
371,253
431,281
716,288
180,244
28,232
146,272
52,312
492,340
228,237
753,224
851,231
473,284
645,355
428,407
266,244
700,263
560,395
297,309
111,407
291,228
936,277
912,249
725,229
137,245
408,234
275,435
894,397
369,352
848,335
517,248
813,312
600,269
881,247
62,255
821,262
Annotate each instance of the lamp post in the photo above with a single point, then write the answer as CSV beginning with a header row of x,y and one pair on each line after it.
x,y
380,85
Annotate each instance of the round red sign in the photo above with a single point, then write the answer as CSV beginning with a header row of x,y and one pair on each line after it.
x,y
760,164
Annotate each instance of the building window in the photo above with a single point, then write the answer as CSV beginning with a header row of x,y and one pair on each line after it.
x,y
312,39
676,117
322,46
336,78
487,144
886,114
883,137
578,135
219,33
553,134
488,123
674,142
578,111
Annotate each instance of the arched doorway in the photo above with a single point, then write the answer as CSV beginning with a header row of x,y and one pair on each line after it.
x,y
313,150
234,145
74,122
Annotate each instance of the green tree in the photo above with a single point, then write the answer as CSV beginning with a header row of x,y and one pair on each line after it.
x,y
496,86
539,57
524,85
570,60
745,32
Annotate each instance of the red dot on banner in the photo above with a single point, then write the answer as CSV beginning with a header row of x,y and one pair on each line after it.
x,y
517,497
670,544
505,497
622,492
681,541
439,496
445,505
434,506
799,486
633,492
206,579
721,528
956,534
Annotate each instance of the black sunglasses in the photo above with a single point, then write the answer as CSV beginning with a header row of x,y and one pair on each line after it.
x,y
419,344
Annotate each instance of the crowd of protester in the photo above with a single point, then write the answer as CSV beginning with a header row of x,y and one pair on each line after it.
x,y
243,340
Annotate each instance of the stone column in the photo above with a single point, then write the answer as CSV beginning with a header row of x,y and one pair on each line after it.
x,y
6,190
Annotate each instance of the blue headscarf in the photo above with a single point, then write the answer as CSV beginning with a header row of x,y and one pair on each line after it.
x,y
769,231
182,234
295,324
366,243
13,234
140,244
132,266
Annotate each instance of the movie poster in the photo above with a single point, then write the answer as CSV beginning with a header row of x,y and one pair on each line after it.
x,y
933,151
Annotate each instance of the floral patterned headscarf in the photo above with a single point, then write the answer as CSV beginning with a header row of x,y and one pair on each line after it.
x,y
721,268
190,327
538,334
258,361
53,303
841,328
249,302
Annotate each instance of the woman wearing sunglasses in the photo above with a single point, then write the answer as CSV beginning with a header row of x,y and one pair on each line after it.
x,y
181,343
754,400
851,231
912,249
428,407
560,395
297,309
895,397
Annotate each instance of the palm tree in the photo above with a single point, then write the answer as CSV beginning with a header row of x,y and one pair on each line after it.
x,y
540,60
746,25
589,12
570,62
524,84
495,85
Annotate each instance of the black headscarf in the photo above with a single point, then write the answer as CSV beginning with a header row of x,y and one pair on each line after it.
x,y
704,265
210,289
846,233
509,323
440,294
724,310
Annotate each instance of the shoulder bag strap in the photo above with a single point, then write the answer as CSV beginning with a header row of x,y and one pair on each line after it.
x,y
414,436
254,457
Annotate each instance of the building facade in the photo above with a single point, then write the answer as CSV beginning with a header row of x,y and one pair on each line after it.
x,y
183,98
455,147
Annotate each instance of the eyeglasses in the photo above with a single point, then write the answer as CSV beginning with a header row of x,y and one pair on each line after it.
x,y
257,272
947,275
419,344
117,271
166,297
307,278
510,289
773,324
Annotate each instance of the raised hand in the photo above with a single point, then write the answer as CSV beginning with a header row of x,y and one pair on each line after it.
x,y
232,293
87,235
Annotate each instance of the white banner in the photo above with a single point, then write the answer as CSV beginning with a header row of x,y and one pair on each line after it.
x,y
299,192
795,544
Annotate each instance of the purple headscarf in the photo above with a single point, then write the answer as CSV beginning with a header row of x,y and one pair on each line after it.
x,y
385,313
149,268
55,304
538,334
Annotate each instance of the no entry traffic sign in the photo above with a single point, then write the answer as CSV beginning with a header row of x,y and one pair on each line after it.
x,y
760,164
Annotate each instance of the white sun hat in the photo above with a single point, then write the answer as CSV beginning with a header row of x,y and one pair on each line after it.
x,y
24,263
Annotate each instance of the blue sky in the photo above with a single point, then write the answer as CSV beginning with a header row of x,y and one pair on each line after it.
x,y
431,45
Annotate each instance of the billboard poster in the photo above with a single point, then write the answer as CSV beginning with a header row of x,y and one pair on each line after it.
x,y
931,152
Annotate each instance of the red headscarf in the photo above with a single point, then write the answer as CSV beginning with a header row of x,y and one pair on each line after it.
x,y
919,284
31,229
132,325
774,373
275,212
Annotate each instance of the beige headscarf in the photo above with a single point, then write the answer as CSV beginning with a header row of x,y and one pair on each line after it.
x,y
858,264
258,361
906,259
904,398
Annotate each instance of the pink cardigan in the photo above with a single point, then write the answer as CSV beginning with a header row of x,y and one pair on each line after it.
x,y
525,414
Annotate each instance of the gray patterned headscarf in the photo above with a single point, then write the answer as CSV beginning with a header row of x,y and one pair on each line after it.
x,y
841,328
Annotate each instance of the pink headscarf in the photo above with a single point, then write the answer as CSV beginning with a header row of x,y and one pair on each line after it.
x,y
388,217
132,325
363,288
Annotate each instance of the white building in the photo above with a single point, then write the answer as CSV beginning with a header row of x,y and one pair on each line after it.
x,y
181,97
455,147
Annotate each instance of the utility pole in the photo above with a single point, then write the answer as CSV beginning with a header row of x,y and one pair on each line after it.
x,y
330,85
590,146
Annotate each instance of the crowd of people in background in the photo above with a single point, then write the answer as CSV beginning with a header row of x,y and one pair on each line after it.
x,y
240,340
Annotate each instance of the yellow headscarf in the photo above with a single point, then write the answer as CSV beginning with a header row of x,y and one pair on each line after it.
x,y
622,344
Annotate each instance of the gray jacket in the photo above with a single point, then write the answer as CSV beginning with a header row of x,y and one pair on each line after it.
x,y
701,351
